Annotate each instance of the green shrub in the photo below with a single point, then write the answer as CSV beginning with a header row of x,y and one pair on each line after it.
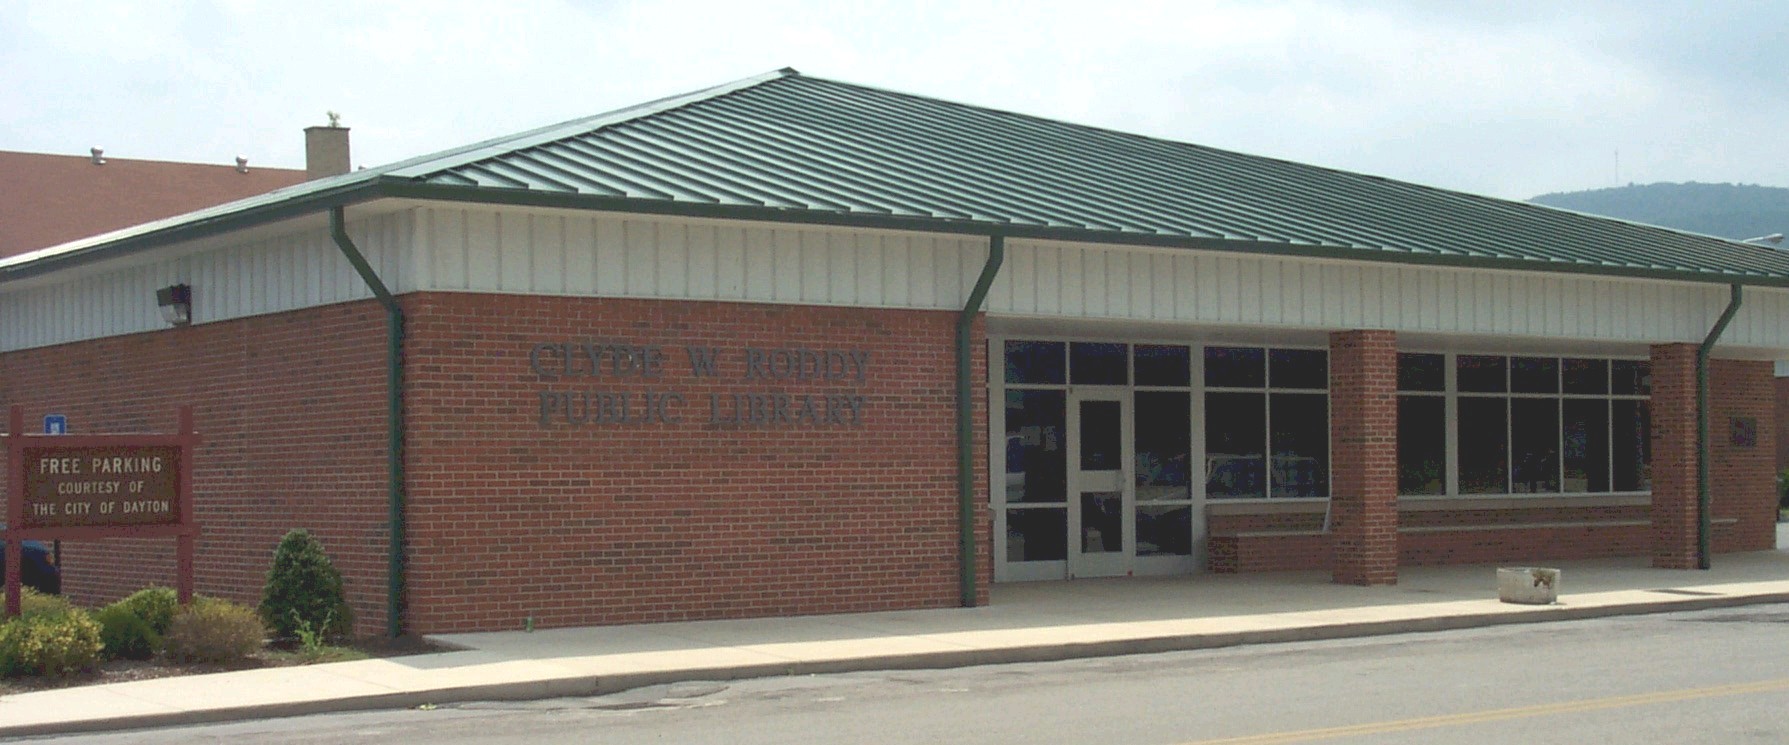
x,y
125,634
304,591
49,643
213,630
34,603
155,605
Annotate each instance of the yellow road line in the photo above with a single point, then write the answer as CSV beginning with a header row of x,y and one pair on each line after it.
x,y
1492,715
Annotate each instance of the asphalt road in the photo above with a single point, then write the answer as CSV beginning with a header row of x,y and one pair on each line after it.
x,y
1706,677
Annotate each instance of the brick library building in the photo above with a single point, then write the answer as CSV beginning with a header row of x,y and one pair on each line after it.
x,y
795,346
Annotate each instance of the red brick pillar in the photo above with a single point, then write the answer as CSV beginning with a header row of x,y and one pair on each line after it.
x,y
1674,456
1363,452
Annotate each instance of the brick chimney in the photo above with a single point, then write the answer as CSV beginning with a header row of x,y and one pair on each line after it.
x,y
325,151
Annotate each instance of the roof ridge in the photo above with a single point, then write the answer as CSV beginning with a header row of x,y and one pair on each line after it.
x,y
422,166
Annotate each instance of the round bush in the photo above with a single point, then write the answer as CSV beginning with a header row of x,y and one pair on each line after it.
x,y
49,644
304,591
125,634
155,605
212,630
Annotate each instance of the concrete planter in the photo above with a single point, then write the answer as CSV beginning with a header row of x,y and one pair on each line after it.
x,y
1528,585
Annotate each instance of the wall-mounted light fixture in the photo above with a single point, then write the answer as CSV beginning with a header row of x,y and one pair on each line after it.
x,y
176,303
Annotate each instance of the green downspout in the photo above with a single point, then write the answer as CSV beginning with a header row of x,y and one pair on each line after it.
x,y
394,402
966,420
1704,502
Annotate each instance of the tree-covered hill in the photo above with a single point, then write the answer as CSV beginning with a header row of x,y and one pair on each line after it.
x,y
1736,211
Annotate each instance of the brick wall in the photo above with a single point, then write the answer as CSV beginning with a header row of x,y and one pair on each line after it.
x,y
1363,456
1781,418
605,521
1742,478
291,408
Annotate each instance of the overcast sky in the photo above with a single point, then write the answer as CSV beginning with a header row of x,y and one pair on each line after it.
x,y
1510,99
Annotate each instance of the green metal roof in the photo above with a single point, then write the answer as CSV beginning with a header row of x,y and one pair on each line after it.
x,y
785,146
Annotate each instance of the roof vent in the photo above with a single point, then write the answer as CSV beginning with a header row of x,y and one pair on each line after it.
x,y
241,164
99,156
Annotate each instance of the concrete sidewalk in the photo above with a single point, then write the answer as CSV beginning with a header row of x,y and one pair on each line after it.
x,y
1025,622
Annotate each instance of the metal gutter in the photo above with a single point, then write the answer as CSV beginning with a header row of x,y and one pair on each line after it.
x,y
1705,501
966,420
394,399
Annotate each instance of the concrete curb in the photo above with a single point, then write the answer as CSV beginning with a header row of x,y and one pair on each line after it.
x,y
593,685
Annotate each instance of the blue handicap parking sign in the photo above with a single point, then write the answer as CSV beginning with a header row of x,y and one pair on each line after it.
x,y
55,424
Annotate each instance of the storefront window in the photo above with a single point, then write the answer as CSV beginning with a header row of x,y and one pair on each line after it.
x,y
1035,363
1036,448
1235,367
1523,425
1098,364
1422,445
1235,445
1484,445
1163,365
1300,436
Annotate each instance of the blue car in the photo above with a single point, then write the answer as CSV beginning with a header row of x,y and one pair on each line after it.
x,y
39,571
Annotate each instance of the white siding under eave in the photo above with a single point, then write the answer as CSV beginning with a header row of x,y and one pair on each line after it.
x,y
607,255
230,281
1054,280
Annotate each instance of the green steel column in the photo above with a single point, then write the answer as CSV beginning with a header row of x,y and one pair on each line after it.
x,y
394,402
966,420
1704,501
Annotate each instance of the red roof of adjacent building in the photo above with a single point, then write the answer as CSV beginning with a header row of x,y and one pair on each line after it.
x,y
46,200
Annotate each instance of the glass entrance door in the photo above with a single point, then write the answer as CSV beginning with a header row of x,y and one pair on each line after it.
x,y
1101,501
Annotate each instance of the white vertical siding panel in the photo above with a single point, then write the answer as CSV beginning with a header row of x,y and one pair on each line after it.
x,y
1117,295
418,242
785,265
482,251
1209,304
921,290
514,253
703,282
671,262
452,268
730,263
759,264
611,256
1162,297
546,255
1186,288
580,256
814,266
897,257
1020,275
1093,282
866,252
841,269
1049,279
957,269
639,243
1139,291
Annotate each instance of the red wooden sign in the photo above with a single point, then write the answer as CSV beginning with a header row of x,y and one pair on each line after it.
x,y
77,487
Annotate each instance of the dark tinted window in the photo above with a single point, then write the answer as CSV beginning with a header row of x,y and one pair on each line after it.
x,y
1035,363
1422,372
1586,376
1163,365
1098,364
1235,367
1533,375
1298,368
